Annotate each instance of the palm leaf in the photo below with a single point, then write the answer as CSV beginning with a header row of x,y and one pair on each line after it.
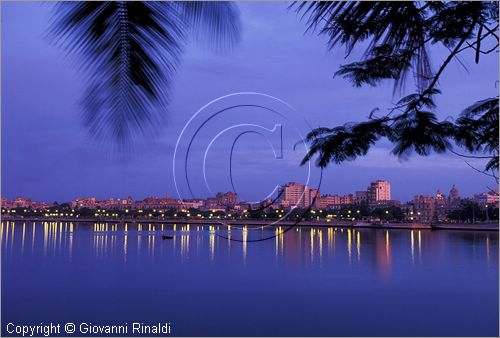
x,y
129,52
216,22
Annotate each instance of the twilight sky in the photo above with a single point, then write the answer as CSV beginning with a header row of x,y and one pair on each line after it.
x,y
47,154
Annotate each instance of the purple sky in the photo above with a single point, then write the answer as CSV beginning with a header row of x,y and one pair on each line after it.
x,y
47,154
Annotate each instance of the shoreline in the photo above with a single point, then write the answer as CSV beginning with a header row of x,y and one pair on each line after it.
x,y
257,223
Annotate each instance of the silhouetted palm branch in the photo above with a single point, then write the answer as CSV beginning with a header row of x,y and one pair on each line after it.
x,y
129,51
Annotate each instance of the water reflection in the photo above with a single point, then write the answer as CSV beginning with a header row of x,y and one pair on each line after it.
x,y
349,244
245,243
212,242
388,270
106,240
184,241
358,245
419,245
412,246
24,233
488,248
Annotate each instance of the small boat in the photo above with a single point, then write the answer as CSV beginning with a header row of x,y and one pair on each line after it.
x,y
167,237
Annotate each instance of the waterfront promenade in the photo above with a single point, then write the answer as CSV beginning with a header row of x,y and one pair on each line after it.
x,y
493,226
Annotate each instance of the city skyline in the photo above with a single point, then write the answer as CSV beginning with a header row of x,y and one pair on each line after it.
x,y
300,196
373,204
169,194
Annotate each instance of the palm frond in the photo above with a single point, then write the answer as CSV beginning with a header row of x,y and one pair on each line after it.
x,y
216,22
129,51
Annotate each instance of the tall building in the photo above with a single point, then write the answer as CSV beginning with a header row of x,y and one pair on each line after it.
x,y
294,194
379,190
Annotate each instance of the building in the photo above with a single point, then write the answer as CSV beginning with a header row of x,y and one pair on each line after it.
x,y
296,195
21,202
328,202
379,190
293,194
80,203
227,199
110,203
313,197
158,204
424,208
361,197
347,199
440,198
384,204
441,206
486,199
193,203
407,209
5,203
212,202
116,203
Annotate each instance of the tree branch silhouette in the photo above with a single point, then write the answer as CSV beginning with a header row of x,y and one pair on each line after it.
x,y
398,35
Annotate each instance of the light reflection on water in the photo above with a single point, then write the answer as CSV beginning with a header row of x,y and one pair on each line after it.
x,y
401,266
114,239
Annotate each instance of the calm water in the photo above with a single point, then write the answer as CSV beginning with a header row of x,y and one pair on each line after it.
x,y
311,282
